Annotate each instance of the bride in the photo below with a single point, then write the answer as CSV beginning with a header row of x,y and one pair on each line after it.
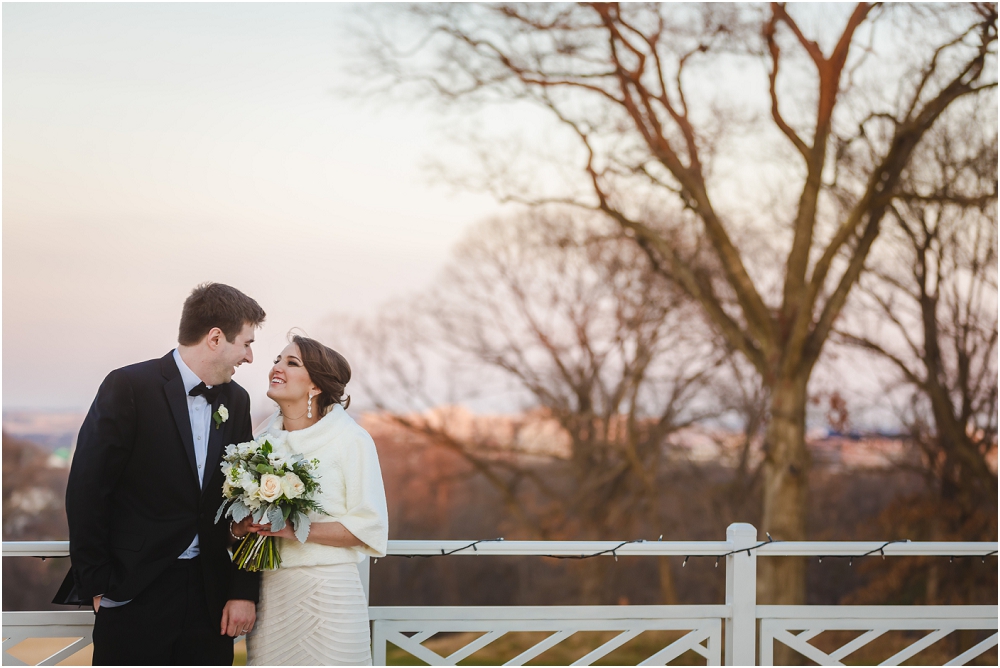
x,y
312,609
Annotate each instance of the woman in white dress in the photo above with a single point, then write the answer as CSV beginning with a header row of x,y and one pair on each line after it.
x,y
312,609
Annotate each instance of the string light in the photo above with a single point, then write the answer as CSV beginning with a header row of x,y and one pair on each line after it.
x,y
881,550
613,551
851,557
982,557
445,553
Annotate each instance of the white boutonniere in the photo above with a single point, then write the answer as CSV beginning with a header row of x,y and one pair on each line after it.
x,y
220,415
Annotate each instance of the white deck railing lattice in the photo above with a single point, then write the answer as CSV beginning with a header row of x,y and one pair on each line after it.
x,y
715,632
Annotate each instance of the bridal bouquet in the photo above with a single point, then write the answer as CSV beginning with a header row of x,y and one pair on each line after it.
x,y
274,486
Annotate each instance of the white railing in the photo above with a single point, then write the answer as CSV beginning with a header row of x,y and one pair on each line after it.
x,y
702,623
714,632
777,622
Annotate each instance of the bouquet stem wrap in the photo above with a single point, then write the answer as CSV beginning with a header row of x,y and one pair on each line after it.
x,y
257,553
273,486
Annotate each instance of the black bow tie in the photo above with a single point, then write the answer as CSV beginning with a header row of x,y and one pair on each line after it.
x,y
210,393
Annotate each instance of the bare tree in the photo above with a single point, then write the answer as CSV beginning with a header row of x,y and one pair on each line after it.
x,y
740,391
609,357
33,509
937,302
643,90
934,296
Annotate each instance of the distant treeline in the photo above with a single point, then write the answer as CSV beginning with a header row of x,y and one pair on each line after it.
x,y
434,494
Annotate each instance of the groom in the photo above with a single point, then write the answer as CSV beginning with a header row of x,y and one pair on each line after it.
x,y
144,488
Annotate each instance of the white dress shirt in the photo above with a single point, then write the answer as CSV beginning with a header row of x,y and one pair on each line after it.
x,y
200,415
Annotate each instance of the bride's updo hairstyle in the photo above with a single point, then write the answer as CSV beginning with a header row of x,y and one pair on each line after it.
x,y
327,369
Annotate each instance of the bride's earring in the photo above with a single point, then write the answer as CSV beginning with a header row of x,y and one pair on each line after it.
x,y
309,407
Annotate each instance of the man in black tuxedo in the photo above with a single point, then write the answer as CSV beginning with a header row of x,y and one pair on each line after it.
x,y
144,488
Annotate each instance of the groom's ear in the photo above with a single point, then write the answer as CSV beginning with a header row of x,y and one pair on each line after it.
x,y
214,338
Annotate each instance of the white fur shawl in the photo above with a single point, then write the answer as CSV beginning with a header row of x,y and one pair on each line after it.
x,y
351,487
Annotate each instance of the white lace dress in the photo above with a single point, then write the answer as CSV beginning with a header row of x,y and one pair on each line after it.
x,y
313,609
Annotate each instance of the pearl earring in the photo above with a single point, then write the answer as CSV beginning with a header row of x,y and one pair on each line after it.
x,y
309,407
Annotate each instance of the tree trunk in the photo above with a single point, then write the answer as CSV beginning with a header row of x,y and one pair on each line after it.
x,y
782,580
593,575
668,594
786,473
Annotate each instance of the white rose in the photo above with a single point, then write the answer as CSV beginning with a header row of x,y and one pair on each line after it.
x,y
223,412
270,487
292,486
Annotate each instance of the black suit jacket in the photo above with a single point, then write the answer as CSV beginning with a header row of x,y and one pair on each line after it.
x,y
133,499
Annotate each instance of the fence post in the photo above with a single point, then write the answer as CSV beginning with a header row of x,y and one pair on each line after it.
x,y
741,596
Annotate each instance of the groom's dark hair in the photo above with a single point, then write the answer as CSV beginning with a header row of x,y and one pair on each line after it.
x,y
217,305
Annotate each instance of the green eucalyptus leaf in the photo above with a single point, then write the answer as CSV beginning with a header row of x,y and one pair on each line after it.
x,y
240,510
301,524
275,518
222,508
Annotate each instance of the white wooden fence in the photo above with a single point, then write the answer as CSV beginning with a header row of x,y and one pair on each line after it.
x,y
715,632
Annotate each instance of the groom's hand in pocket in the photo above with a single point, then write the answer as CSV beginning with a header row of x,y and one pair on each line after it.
x,y
238,617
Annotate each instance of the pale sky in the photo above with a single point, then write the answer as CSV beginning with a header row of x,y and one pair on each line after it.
x,y
150,147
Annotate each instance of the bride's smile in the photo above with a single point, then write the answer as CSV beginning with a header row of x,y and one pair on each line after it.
x,y
289,383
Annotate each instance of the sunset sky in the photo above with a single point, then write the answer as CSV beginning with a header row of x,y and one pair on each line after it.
x,y
149,147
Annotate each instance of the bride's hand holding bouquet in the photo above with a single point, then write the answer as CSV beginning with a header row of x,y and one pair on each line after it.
x,y
268,485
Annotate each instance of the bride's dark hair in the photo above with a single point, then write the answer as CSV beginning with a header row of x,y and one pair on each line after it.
x,y
327,369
